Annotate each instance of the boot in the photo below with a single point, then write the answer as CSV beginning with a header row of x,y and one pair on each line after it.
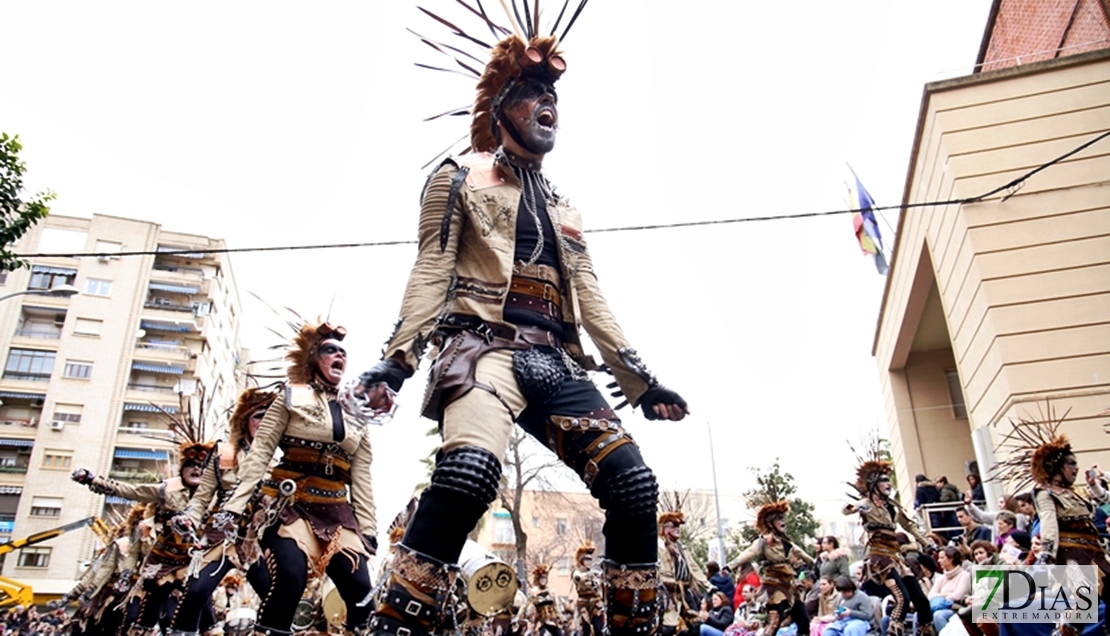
x,y
631,598
416,600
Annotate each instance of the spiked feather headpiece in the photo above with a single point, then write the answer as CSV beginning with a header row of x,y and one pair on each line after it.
x,y
187,427
768,512
248,403
872,467
522,50
672,516
1034,451
586,549
538,571
303,348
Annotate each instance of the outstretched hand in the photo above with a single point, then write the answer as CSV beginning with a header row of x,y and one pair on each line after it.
x,y
661,403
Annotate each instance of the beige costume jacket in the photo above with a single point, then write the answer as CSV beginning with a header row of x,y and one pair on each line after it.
x,y
220,475
471,274
304,415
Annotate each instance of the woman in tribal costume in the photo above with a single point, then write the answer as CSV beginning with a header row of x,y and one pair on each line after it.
x,y
225,552
882,561
164,569
547,620
777,554
587,586
326,455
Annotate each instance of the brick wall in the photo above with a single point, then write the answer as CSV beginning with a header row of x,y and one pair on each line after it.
x,y
1028,31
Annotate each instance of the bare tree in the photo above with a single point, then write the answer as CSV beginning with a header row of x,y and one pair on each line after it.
x,y
525,464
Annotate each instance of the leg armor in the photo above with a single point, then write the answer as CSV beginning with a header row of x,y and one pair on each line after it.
x,y
629,495
464,483
418,596
631,598
898,610
774,618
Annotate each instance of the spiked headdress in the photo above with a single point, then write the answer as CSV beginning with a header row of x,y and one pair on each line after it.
x,y
767,512
303,349
538,571
522,51
249,402
672,516
1034,451
871,469
586,549
187,427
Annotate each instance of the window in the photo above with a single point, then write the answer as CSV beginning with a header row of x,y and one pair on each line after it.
x,y
562,566
79,369
87,327
69,413
98,287
503,528
43,277
56,460
135,428
29,364
956,391
561,526
46,507
34,558
535,521
41,322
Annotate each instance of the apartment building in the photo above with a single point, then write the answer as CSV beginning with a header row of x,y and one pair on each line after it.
x,y
995,308
86,378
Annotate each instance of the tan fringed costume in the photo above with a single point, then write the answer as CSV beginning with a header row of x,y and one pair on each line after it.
x,y
777,554
683,579
587,587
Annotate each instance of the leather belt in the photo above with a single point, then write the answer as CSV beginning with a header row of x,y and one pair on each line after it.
x,y
500,331
541,272
534,304
536,289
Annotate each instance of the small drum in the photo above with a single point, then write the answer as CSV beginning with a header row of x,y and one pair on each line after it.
x,y
490,583
240,622
335,610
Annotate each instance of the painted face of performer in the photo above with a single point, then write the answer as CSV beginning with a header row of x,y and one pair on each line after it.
x,y
191,473
778,524
255,422
670,531
587,562
883,487
331,361
531,109
1069,470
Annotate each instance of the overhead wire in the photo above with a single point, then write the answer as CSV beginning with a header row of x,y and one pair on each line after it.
x,y
1009,188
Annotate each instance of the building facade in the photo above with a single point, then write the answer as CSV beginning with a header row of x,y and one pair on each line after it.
x,y
86,378
999,309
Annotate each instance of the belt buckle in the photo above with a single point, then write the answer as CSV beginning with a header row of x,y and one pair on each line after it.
x,y
550,294
484,332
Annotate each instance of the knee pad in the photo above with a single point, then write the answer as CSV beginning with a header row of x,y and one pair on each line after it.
x,y
630,492
471,472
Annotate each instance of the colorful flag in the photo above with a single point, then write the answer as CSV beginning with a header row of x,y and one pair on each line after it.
x,y
867,229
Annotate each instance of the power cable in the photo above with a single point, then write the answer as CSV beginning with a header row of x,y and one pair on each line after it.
x,y
1009,188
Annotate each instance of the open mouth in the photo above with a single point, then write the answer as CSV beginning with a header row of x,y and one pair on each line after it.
x,y
546,118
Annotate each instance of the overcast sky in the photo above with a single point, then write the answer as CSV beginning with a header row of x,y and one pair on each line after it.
x,y
281,124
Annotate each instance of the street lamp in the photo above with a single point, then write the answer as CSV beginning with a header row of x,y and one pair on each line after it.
x,y
58,291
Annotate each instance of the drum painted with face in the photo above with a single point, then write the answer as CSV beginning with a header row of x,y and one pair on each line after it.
x,y
490,582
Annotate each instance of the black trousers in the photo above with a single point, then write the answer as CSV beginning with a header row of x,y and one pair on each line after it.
x,y
198,595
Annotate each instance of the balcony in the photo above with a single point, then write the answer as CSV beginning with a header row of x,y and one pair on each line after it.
x,y
173,271
26,376
38,334
14,469
170,307
151,388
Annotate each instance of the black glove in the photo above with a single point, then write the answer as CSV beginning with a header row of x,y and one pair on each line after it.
x,y
83,476
390,371
373,541
659,394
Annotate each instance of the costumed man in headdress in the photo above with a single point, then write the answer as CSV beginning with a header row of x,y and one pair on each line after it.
x,y
684,581
587,586
225,551
777,554
882,561
546,619
1068,533
502,284
91,589
163,570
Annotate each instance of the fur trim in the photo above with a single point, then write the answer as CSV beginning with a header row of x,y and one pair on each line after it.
x,y
194,452
303,348
1046,459
511,60
767,511
249,401
675,517
396,534
538,571
587,548
870,473
839,552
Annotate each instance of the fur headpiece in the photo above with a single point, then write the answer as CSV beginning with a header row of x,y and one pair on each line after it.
x,y
303,349
522,50
248,403
586,549
232,578
671,516
538,571
768,512
194,453
1034,451
872,467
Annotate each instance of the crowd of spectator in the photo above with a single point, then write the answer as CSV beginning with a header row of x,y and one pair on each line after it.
x,y
21,621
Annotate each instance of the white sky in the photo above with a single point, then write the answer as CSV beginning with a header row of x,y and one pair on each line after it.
x,y
280,123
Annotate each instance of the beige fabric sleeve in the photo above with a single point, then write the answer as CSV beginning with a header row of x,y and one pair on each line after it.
x,y
748,555
104,571
431,275
206,491
257,462
362,487
1050,529
142,493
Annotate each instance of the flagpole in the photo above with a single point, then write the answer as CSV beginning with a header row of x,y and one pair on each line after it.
x,y
716,497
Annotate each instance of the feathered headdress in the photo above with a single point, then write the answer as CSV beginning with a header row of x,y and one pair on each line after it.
x,y
249,402
871,467
1034,451
303,348
768,512
188,426
401,522
672,516
522,50
586,549
538,571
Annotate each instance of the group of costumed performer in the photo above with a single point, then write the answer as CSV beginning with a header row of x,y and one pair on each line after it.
x,y
502,283
327,523
224,551
106,582
883,562
1040,456
165,568
588,609
547,616
681,578
777,554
